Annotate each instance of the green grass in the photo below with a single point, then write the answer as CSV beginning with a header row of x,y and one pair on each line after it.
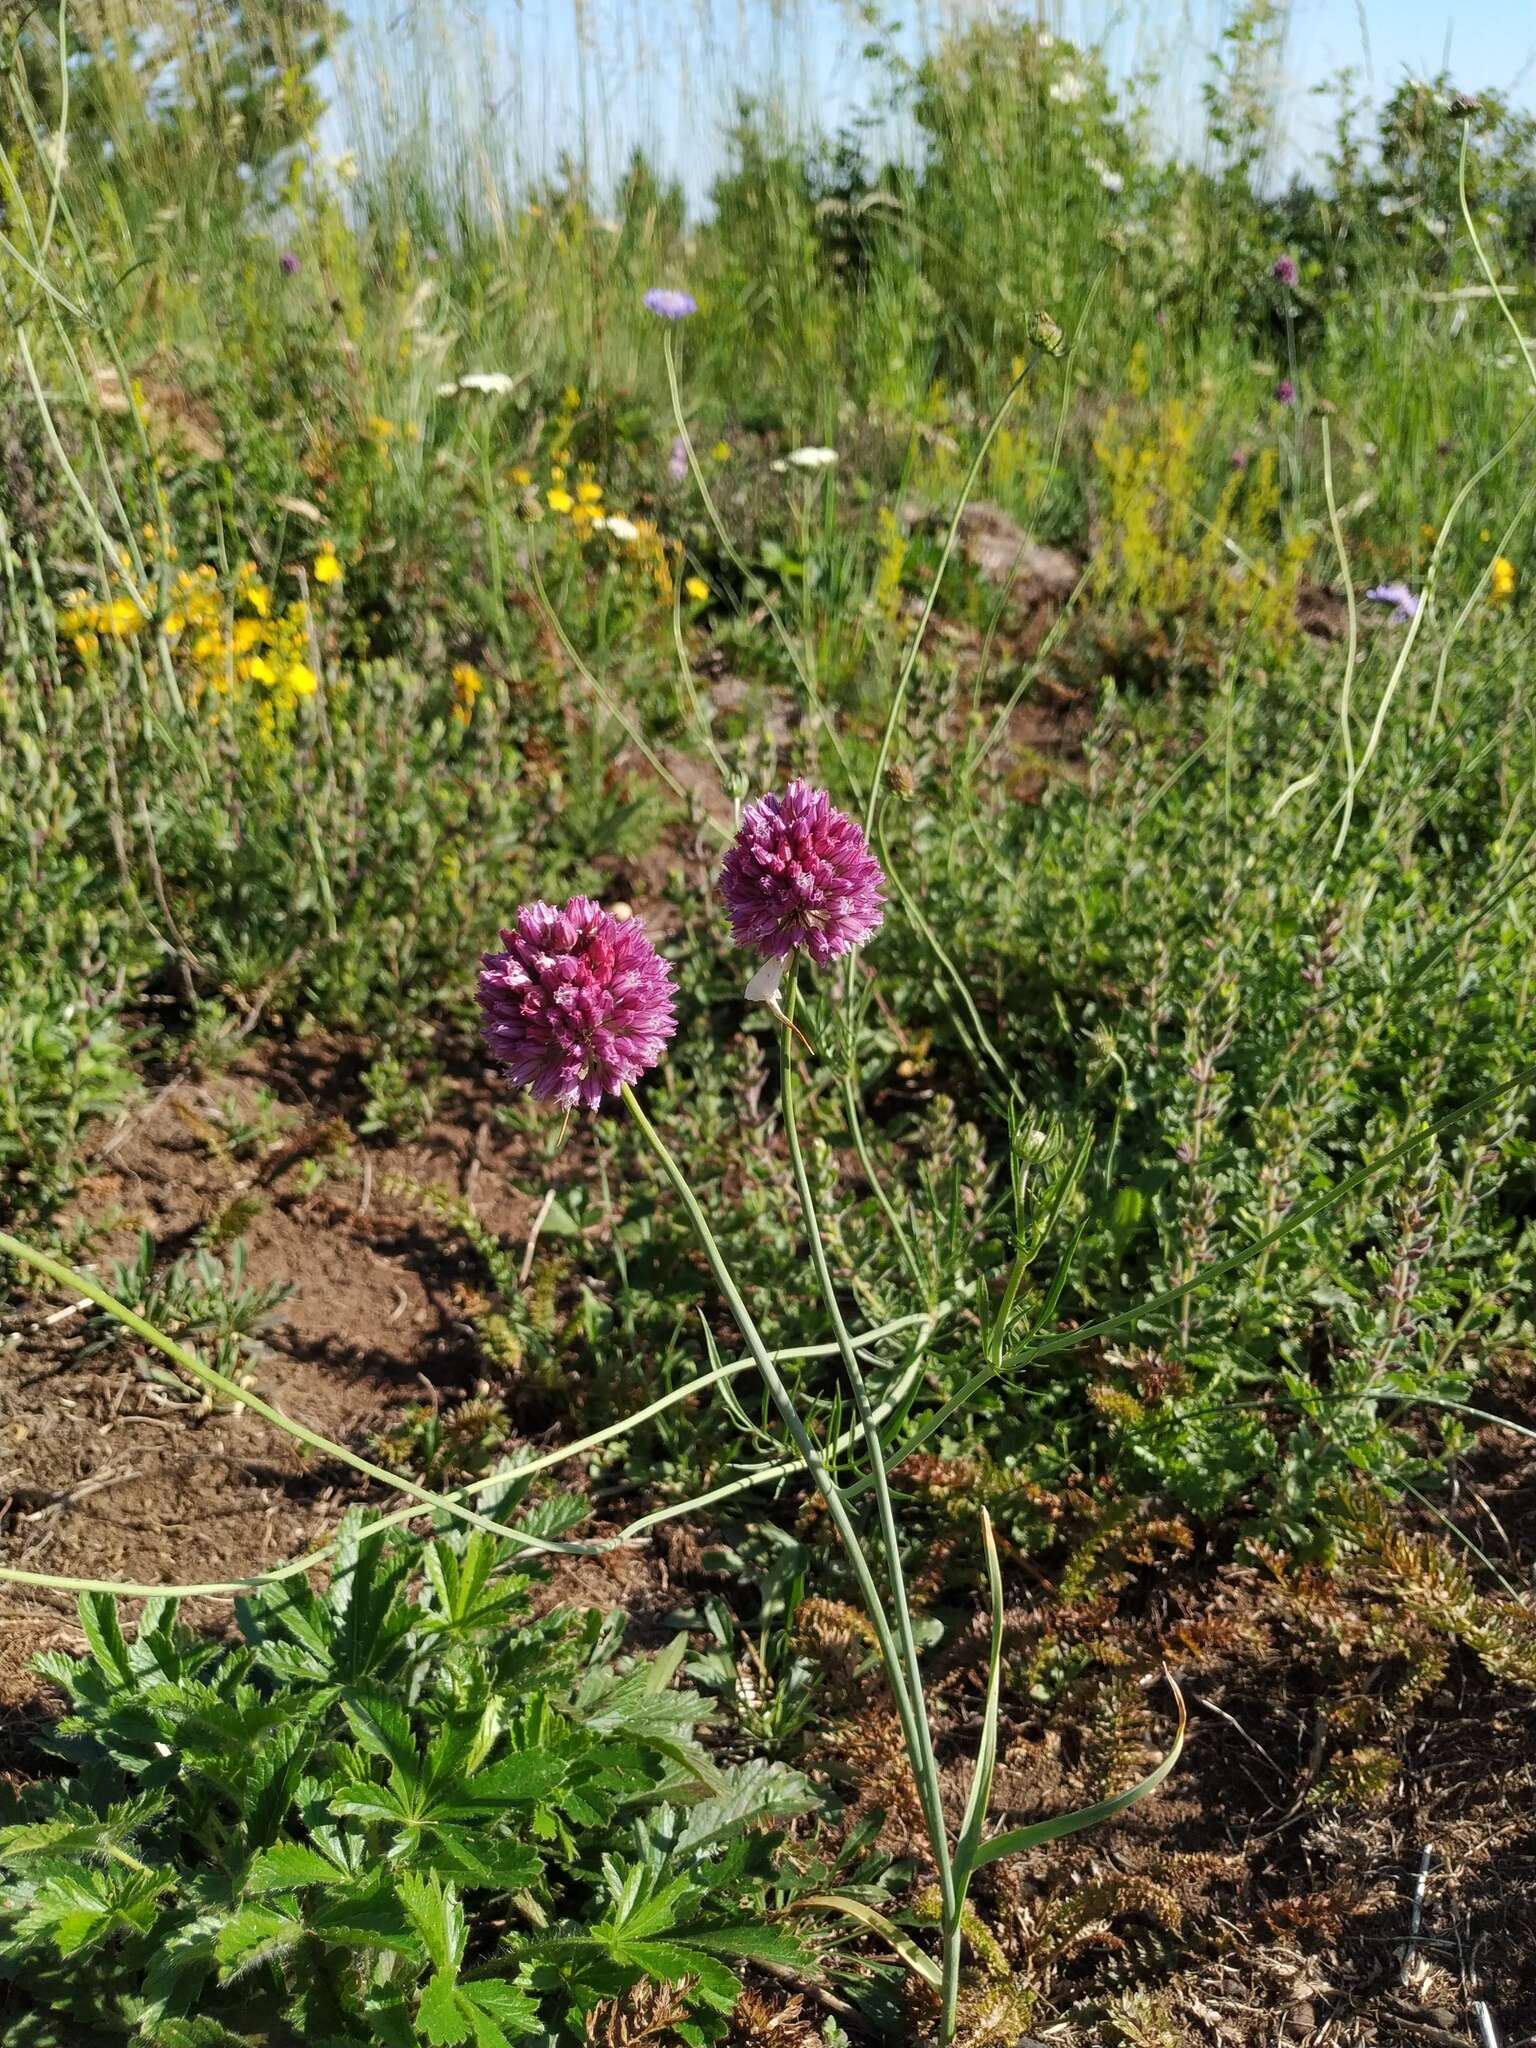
x,y
1184,1095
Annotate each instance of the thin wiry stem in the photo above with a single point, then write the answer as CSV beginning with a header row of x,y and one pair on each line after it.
x,y
920,1750
783,1400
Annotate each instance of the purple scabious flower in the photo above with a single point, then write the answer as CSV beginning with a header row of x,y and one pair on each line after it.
x,y
1404,603
800,873
1284,270
288,263
669,304
1285,392
578,1004
677,461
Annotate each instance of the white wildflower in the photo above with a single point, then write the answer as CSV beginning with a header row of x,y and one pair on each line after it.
x,y
812,458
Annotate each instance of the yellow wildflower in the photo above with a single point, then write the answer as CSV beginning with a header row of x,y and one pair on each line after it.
x,y
121,617
260,670
522,476
1502,579
327,568
696,588
301,679
467,685
721,452
559,500
570,397
245,636
590,494
380,427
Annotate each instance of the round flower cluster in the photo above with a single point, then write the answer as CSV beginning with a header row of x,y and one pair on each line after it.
x,y
800,873
578,1005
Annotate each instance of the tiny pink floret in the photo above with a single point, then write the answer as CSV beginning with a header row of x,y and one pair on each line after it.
x,y
578,1005
800,874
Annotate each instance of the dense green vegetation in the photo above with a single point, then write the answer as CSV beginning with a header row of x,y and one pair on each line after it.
x,y
371,568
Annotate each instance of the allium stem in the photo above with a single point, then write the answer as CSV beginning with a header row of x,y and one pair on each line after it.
x,y
920,1751
783,1400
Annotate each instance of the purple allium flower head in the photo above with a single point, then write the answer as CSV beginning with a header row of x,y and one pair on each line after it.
x,y
1283,270
1404,603
578,1004
800,873
669,304
677,461
288,263
1285,392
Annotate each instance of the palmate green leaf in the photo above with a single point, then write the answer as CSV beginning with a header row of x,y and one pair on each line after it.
x,y
752,1941
257,1933
522,1779
437,1916
183,1959
383,1727
191,2032
440,2016
756,1791
500,2012
370,1915
670,1962
479,1861
104,1632
376,1802
491,2014
76,1830
275,1774
287,1866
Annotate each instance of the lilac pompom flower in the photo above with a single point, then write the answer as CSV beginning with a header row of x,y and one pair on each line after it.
x,y
288,263
1284,270
1404,602
579,1005
1285,392
668,304
800,873
677,461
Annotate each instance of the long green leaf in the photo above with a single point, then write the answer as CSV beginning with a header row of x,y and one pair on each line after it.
x,y
866,1916
969,1844
1018,1839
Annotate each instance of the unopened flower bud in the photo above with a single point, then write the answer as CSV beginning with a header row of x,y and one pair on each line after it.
x,y
900,780
1046,334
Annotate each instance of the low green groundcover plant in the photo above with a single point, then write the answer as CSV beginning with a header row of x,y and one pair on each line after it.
x,y
403,1810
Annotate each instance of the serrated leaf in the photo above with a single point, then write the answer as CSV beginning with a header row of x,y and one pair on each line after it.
x,y
437,1916
288,1865
104,1632
255,1933
757,1791
383,1727
527,1776
670,1962
440,2016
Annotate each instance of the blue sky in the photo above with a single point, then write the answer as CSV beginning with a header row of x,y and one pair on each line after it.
x,y
660,71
